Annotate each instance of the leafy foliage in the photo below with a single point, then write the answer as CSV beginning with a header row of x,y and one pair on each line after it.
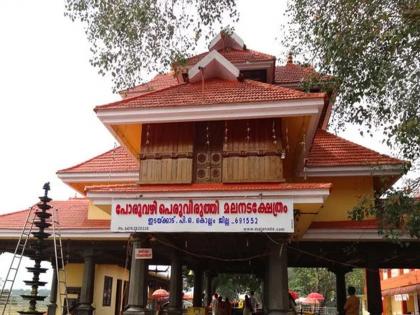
x,y
371,48
128,37
307,280
231,285
398,213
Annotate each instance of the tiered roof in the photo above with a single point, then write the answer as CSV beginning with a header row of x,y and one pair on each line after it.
x,y
331,150
115,160
72,214
214,91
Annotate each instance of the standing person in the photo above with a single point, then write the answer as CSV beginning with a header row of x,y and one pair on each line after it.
x,y
228,307
254,303
214,304
220,306
247,306
351,307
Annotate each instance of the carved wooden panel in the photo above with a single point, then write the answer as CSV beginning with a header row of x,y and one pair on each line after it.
x,y
208,152
166,154
238,169
162,171
252,151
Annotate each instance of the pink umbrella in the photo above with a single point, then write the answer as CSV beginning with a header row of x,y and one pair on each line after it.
x,y
306,300
160,294
316,296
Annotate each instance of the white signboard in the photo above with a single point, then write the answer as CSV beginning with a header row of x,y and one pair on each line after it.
x,y
143,253
204,215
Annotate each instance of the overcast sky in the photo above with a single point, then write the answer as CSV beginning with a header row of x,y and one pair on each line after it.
x,y
48,91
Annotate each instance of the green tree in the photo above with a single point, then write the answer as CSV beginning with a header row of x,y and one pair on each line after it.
x,y
307,280
128,37
371,48
356,278
232,285
398,213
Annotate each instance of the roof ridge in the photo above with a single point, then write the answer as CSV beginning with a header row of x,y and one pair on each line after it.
x,y
91,159
359,145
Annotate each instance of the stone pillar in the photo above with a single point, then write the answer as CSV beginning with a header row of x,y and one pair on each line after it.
x,y
175,286
137,289
340,287
278,291
198,287
373,288
53,293
86,293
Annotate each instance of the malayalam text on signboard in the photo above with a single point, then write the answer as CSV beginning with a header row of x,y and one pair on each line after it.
x,y
143,253
209,215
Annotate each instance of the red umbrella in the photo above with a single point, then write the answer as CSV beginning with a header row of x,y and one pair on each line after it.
x,y
293,294
187,296
316,296
160,294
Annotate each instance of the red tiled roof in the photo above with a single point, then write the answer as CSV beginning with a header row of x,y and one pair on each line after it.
x,y
116,160
160,81
137,188
216,91
294,73
72,214
331,150
235,56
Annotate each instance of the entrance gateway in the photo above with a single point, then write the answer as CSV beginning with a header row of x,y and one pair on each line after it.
x,y
181,229
226,168
229,168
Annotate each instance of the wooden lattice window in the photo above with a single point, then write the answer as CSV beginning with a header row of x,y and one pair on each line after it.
x,y
166,153
252,151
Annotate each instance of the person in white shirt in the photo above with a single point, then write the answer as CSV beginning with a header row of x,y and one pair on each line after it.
x,y
254,303
214,304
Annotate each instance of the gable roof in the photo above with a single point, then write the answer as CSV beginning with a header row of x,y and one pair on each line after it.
x,y
113,161
213,65
72,214
215,92
235,56
226,39
330,150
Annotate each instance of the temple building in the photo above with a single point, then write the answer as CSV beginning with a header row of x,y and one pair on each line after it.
x,y
224,166
400,291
